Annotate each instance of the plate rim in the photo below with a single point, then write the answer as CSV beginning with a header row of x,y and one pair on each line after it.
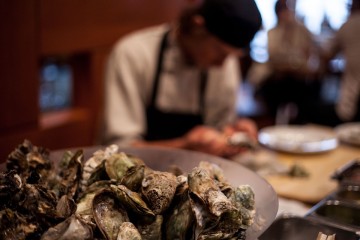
x,y
342,127
310,147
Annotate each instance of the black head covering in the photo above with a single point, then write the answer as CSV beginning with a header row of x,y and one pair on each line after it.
x,y
279,6
233,21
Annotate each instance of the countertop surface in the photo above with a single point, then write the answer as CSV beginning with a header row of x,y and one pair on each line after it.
x,y
320,167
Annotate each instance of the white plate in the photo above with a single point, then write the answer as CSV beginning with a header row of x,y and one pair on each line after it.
x,y
298,139
349,133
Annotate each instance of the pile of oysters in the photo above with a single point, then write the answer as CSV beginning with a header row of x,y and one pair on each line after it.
x,y
114,195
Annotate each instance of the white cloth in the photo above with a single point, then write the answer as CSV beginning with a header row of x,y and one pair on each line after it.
x,y
347,41
129,81
291,48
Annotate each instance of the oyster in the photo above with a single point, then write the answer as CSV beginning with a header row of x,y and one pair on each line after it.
x,y
128,231
182,186
126,169
159,188
65,207
73,228
132,201
85,200
244,199
215,172
28,160
205,188
10,185
70,176
116,196
152,230
180,219
39,202
204,219
92,163
98,174
108,214
14,225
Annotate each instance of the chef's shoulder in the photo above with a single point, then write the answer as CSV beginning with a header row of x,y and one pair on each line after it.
x,y
141,43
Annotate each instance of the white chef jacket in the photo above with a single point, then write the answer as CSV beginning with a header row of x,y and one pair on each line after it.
x,y
347,40
129,81
290,48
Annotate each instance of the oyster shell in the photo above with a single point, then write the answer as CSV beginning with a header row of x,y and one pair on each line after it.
x,y
132,201
70,176
65,207
28,160
85,200
126,169
180,218
10,186
14,225
244,199
115,196
128,231
159,188
98,174
92,163
215,172
108,214
205,188
152,230
73,228
39,202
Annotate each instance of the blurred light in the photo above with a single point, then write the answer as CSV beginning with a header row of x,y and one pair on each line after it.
x,y
56,86
311,12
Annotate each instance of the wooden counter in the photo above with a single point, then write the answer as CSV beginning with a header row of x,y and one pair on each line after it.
x,y
320,166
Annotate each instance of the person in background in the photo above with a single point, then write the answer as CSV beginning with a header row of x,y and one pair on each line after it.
x,y
292,67
347,42
176,84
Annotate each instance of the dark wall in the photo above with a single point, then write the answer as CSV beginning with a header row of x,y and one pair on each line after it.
x,y
79,31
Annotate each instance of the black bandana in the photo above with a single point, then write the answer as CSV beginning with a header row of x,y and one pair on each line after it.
x,y
233,21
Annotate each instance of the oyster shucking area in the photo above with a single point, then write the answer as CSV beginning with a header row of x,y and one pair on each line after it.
x,y
114,195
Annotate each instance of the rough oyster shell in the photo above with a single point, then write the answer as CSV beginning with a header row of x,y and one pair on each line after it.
x,y
159,188
73,228
128,231
108,214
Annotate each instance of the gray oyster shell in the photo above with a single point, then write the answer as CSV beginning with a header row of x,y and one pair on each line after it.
x,y
151,230
118,198
109,214
180,218
126,169
73,228
205,188
159,188
132,201
128,231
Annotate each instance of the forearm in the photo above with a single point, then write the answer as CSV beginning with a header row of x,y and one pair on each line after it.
x,y
174,143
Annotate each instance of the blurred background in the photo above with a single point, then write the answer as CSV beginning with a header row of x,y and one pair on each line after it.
x,y
53,55
323,18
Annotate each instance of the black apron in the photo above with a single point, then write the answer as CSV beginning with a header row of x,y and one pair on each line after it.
x,y
167,125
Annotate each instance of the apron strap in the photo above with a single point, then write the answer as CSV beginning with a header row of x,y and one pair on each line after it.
x,y
203,82
160,61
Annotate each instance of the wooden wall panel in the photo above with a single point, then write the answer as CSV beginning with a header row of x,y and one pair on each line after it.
x,y
69,129
81,31
78,25
18,65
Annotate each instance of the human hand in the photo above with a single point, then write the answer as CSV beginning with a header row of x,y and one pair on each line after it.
x,y
209,140
245,125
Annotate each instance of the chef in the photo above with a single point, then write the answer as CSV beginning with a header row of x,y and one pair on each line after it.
x,y
176,84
